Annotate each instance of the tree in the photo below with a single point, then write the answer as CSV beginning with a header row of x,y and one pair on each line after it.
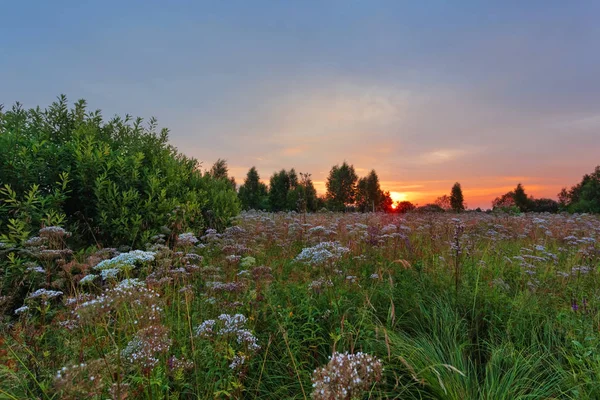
x,y
279,186
308,200
253,193
220,170
285,191
369,196
404,206
341,186
429,208
443,202
545,205
456,198
505,201
386,203
585,196
521,200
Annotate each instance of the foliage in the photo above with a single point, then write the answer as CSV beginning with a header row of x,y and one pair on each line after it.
x,y
220,170
457,201
584,196
428,208
253,193
443,202
307,194
544,205
341,187
282,190
112,183
369,196
523,202
517,198
404,206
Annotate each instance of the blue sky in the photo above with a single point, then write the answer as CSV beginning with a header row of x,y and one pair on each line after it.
x,y
427,93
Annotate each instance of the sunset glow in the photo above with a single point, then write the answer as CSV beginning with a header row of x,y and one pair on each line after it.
x,y
308,86
398,197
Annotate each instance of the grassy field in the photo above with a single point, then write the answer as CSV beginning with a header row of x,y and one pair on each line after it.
x,y
417,306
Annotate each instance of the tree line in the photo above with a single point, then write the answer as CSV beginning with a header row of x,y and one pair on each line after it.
x,y
292,191
583,197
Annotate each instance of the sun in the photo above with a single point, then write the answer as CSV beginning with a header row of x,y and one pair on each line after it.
x,y
397,197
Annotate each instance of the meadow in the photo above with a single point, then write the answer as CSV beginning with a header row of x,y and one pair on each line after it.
x,y
322,305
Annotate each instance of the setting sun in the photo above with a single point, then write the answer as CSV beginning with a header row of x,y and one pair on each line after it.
x,y
397,197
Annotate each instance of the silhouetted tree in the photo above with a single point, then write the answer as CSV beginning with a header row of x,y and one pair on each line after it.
x,y
521,200
443,202
307,194
457,201
504,201
544,205
404,206
369,196
585,196
341,186
220,170
253,193
386,203
429,208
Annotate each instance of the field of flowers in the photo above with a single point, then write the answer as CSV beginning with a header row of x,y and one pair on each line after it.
x,y
323,306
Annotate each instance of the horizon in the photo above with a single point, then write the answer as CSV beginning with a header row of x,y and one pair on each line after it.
x,y
488,95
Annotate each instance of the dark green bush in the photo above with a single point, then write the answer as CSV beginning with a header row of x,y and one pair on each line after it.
x,y
112,183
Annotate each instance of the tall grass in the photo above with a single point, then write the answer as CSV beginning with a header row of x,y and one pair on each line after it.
x,y
512,315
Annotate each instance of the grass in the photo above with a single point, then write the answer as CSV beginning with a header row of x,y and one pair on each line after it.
x,y
467,306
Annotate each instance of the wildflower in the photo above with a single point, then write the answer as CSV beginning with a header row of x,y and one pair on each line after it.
x,y
187,239
322,253
319,284
36,268
233,259
126,259
54,232
87,279
237,362
21,310
206,328
45,294
346,376
230,326
145,346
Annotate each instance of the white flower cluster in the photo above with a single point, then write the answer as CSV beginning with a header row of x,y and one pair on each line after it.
x,y
229,325
36,268
346,376
87,279
237,362
322,253
319,284
187,239
130,292
21,310
143,349
45,294
110,268
54,231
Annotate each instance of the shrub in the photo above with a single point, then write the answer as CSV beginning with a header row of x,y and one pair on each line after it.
x,y
112,183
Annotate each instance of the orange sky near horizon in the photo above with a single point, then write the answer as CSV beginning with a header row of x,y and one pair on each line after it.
x,y
478,192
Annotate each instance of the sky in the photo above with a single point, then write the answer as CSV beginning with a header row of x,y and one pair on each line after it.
x,y
486,93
